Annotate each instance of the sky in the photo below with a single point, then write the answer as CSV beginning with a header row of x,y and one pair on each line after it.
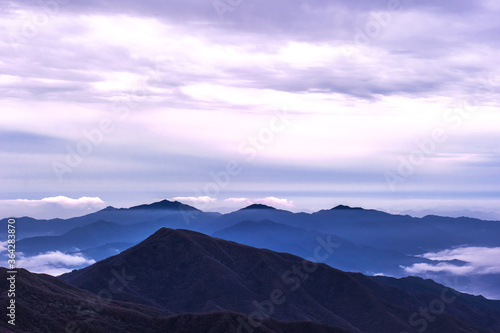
x,y
302,105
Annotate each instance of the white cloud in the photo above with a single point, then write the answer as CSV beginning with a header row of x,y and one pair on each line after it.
x,y
479,260
440,267
275,201
62,200
238,200
201,199
53,263
365,109
51,207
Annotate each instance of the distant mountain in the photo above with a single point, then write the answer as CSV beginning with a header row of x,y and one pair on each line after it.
x,y
183,271
47,304
258,206
171,213
346,207
89,236
103,251
258,212
346,255
165,204
91,233
372,242
486,216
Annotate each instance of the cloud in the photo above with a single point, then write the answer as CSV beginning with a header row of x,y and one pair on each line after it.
x,y
62,200
53,263
275,201
478,260
353,110
51,207
200,199
237,200
438,268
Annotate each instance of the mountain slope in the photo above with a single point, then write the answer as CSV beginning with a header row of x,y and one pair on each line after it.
x,y
171,213
379,242
87,237
47,304
183,271
347,256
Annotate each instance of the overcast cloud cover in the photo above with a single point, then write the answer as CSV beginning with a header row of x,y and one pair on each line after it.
x,y
304,104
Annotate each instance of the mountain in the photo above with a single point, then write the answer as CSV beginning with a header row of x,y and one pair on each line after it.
x,y
183,271
371,242
165,205
48,304
346,256
171,213
92,234
344,207
258,206
259,212
405,233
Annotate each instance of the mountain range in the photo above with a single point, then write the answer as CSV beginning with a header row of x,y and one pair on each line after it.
x,y
257,269
368,241
184,281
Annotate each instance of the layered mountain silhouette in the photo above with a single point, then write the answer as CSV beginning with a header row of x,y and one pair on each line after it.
x,y
48,304
370,242
181,271
347,256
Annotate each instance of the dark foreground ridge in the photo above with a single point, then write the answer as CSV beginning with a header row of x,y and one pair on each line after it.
x,y
48,304
181,271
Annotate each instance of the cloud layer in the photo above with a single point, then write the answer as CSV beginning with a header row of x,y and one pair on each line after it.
x,y
478,260
50,207
139,97
53,263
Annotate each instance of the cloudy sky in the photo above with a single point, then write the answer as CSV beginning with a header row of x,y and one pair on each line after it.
x,y
301,104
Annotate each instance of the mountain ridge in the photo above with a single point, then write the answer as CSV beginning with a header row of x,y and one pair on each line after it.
x,y
173,268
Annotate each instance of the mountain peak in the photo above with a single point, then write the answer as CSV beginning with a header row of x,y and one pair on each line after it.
x,y
258,206
172,268
165,204
339,207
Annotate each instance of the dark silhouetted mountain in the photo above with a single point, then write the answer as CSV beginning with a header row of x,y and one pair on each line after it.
x,y
258,206
91,233
47,304
404,233
259,213
467,307
373,241
183,271
346,207
166,204
171,213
